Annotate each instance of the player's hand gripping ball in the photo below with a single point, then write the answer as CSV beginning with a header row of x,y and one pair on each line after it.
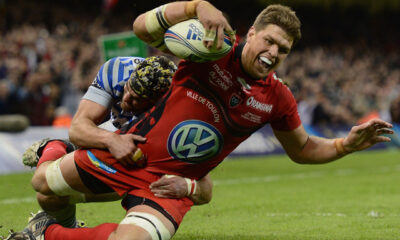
x,y
185,40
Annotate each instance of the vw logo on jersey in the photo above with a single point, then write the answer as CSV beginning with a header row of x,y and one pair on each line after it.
x,y
194,141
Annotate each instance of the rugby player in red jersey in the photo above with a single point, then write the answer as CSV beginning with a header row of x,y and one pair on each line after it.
x,y
123,88
210,108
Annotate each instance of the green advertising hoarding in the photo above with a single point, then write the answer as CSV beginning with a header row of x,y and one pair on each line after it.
x,y
122,44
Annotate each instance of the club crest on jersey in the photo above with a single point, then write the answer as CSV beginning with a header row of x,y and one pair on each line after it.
x,y
138,60
235,100
194,141
96,84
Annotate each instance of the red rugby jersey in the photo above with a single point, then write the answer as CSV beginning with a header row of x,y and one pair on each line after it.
x,y
210,109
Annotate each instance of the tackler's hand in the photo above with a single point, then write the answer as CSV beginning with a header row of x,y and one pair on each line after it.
x,y
124,149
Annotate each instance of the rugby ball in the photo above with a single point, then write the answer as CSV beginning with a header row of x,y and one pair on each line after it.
x,y
185,40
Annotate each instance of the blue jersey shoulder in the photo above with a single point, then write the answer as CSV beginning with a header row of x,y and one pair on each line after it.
x,y
114,73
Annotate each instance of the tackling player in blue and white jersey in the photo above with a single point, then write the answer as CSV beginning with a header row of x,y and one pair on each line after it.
x,y
107,89
110,91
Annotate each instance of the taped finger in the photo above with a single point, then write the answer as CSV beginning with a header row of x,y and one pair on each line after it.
x,y
232,35
162,193
139,158
210,34
169,176
138,155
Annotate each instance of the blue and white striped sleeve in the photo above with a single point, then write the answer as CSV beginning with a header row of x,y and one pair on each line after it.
x,y
107,86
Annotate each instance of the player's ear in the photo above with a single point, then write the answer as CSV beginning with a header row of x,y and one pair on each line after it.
x,y
251,32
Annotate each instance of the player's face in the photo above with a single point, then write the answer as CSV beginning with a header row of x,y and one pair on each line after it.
x,y
131,102
265,50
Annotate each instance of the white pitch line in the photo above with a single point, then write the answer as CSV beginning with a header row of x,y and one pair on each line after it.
x,y
15,154
294,214
268,178
372,213
17,200
297,176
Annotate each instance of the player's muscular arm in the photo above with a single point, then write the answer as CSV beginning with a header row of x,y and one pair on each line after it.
x,y
174,13
85,133
303,148
212,19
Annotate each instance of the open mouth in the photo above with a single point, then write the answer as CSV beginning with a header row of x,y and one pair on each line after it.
x,y
265,62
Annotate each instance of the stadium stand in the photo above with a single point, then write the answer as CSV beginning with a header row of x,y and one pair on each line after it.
x,y
48,59
345,69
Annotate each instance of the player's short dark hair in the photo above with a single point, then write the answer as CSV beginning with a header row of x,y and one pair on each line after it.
x,y
282,16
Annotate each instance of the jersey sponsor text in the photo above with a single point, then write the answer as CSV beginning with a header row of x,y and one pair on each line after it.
x,y
253,103
206,102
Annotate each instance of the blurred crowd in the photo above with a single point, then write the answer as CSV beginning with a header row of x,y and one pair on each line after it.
x,y
48,58
344,84
43,74
46,68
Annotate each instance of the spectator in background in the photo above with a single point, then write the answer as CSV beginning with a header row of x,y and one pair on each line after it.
x,y
45,71
62,118
395,110
4,98
395,114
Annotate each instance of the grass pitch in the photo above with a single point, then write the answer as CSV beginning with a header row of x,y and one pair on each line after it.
x,y
357,197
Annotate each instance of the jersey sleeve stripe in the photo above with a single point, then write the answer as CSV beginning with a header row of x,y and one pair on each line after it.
x,y
98,79
110,72
100,76
104,78
120,72
119,88
115,74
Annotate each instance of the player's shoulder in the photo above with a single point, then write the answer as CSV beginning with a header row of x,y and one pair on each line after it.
x,y
274,80
116,71
281,88
130,60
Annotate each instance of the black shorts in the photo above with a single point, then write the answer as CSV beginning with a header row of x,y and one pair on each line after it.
x,y
96,186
